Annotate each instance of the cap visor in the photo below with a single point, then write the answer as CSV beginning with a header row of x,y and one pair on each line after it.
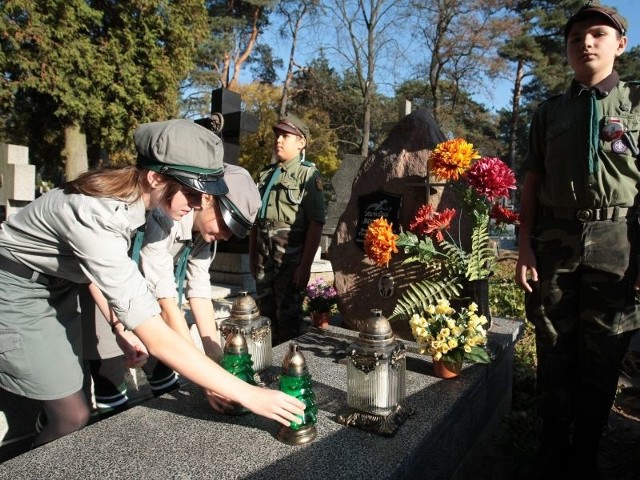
x,y
212,187
283,127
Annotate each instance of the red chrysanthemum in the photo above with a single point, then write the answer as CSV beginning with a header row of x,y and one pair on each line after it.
x,y
503,215
380,241
428,222
491,177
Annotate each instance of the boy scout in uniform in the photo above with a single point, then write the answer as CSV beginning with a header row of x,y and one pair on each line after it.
x,y
578,255
289,227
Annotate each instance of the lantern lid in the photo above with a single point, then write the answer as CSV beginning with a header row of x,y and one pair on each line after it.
x,y
236,343
244,308
375,330
294,363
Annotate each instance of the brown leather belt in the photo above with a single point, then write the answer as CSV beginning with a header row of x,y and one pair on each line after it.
x,y
20,270
589,214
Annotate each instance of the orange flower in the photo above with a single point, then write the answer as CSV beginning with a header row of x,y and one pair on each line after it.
x,y
452,158
380,241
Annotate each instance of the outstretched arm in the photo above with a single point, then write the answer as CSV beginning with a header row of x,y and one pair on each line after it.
x,y
177,353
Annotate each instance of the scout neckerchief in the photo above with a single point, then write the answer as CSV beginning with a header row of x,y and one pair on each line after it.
x,y
594,132
181,267
265,196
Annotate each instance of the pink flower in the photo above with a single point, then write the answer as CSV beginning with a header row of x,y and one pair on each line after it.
x,y
491,177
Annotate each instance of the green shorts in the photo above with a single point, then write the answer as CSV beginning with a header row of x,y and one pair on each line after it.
x,y
40,338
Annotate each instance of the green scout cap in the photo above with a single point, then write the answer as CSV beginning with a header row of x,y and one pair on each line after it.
x,y
183,150
240,206
609,15
292,124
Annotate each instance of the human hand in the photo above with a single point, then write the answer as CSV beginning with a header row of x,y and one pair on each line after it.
x,y
526,269
135,353
274,404
301,276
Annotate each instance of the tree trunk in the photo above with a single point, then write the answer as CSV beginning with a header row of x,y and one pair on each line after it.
x,y
515,116
75,152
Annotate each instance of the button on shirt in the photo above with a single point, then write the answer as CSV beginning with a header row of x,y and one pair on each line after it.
x,y
83,239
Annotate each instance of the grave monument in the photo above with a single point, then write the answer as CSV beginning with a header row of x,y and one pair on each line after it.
x,y
393,182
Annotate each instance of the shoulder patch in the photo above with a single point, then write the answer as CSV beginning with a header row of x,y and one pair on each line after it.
x,y
319,184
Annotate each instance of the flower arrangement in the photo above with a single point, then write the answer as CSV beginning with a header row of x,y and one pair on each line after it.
x,y
449,335
481,183
321,296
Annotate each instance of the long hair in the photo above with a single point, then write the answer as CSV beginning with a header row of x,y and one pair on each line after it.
x,y
126,184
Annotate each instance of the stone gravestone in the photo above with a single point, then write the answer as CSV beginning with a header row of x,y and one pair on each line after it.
x,y
341,181
393,181
17,179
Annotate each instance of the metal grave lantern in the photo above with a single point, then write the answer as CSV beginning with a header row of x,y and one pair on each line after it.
x,y
376,378
296,381
257,329
237,361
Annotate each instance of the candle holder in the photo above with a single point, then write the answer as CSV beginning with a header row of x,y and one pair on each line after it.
x,y
257,329
376,378
237,361
296,381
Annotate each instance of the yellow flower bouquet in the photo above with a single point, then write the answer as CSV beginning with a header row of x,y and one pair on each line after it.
x,y
449,335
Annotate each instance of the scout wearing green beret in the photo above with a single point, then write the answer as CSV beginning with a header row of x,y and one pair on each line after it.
x,y
578,244
289,227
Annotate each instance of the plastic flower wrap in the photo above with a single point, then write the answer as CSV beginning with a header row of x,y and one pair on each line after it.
x,y
450,335
321,296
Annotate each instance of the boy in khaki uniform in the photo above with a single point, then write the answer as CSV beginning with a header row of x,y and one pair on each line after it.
x,y
578,256
289,227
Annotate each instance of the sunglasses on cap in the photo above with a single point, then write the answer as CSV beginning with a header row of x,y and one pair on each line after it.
x,y
233,218
211,183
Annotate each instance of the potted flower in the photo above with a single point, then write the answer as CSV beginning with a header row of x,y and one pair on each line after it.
x,y
320,302
450,336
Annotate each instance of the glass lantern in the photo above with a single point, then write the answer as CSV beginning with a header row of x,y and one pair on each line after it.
x,y
376,378
296,381
237,361
257,330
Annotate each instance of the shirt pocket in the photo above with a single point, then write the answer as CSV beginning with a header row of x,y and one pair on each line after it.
x,y
13,358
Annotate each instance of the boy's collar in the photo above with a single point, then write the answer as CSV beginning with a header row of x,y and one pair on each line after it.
x,y
602,89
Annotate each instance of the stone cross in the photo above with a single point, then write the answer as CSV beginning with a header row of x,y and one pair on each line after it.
x,y
17,179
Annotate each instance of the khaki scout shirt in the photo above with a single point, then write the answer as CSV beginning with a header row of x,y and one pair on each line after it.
x,y
296,198
164,242
83,239
559,148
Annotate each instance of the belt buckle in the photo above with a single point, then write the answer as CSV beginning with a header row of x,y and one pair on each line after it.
x,y
584,215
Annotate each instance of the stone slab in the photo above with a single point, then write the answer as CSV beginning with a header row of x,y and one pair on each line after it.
x,y
179,436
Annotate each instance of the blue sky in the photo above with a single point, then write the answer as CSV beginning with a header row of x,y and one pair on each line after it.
x,y
630,9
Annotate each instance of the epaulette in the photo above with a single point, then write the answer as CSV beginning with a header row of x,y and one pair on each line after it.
x,y
307,163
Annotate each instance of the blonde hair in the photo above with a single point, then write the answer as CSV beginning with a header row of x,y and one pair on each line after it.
x,y
126,184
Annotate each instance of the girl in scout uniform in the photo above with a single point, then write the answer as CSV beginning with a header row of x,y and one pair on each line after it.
x,y
81,234
186,243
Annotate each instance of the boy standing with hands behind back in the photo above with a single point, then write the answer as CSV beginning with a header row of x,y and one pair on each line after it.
x,y
578,256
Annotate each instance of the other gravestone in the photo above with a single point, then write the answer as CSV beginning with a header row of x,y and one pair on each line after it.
x,y
17,178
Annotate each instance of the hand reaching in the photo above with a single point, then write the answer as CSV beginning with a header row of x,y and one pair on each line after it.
x,y
135,353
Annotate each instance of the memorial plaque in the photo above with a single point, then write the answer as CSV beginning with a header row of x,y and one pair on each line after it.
x,y
373,206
